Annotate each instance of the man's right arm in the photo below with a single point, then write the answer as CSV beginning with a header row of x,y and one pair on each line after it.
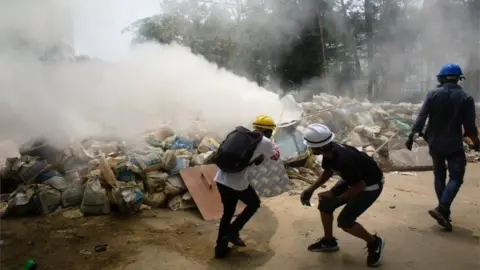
x,y
469,121
324,177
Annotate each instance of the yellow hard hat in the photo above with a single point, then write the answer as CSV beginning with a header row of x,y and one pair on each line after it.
x,y
264,122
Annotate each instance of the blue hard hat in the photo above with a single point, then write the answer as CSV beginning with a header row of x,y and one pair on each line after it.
x,y
450,70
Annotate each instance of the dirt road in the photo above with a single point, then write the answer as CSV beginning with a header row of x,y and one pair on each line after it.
x,y
277,236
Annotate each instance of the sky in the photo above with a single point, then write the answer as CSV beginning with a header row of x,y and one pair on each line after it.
x,y
98,25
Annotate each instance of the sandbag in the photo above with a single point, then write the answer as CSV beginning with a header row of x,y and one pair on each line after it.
x,y
181,202
182,143
58,183
171,190
169,160
155,181
73,194
47,199
203,158
208,144
160,135
155,200
128,199
182,163
122,172
95,200
20,202
54,179
148,162
168,142
182,153
177,181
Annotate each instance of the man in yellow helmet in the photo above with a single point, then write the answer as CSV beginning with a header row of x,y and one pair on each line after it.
x,y
266,126
233,161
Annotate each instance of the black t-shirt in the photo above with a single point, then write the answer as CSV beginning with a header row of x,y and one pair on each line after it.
x,y
353,165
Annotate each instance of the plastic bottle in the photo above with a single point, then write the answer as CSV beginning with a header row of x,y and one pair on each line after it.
x,y
30,265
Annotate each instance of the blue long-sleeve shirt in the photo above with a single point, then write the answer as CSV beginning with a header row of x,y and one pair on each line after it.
x,y
447,108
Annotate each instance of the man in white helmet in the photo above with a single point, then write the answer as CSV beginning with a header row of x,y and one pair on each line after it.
x,y
360,186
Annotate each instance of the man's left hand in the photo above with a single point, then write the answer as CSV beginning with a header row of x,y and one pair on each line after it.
x,y
409,142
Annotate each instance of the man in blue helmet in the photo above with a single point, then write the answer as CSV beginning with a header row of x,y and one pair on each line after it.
x,y
447,108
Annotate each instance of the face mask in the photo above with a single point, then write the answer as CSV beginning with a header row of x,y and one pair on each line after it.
x,y
268,133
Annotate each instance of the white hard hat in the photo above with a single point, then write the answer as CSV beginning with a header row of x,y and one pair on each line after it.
x,y
317,135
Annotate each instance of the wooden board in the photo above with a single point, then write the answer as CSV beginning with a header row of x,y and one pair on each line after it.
x,y
200,183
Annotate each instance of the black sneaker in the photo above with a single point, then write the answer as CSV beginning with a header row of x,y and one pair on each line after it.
x,y
222,252
442,220
375,252
236,240
324,245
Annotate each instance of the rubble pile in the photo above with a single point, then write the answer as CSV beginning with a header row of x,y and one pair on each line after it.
x,y
98,176
102,176
379,129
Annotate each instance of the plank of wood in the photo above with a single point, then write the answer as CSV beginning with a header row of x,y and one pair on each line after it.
x,y
200,183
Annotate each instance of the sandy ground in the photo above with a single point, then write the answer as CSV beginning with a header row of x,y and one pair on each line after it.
x,y
277,237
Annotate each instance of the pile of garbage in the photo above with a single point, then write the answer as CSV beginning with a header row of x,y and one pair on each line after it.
x,y
102,175
379,129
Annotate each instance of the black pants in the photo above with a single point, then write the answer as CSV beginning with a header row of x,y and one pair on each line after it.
x,y
354,207
230,199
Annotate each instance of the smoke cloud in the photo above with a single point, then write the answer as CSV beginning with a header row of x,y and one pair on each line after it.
x,y
153,85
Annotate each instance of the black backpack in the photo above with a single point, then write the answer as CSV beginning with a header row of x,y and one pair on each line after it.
x,y
236,151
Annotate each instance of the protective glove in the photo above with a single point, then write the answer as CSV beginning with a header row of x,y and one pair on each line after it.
x,y
306,196
409,142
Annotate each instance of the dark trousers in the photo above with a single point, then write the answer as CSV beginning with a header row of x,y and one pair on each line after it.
x,y
230,199
446,192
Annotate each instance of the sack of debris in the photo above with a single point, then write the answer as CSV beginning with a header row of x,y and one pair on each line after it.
x,y
46,198
128,199
95,200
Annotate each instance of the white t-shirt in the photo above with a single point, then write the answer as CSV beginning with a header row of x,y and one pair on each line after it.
x,y
239,181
